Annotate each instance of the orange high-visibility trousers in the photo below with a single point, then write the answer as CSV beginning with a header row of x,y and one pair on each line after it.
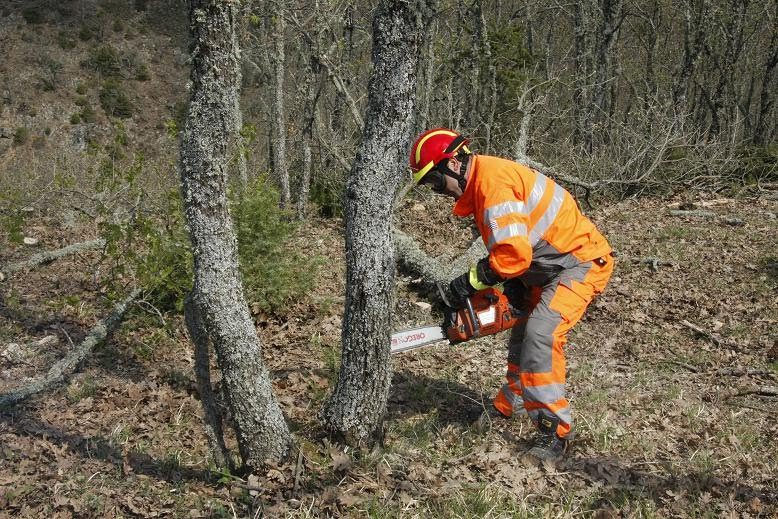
x,y
536,358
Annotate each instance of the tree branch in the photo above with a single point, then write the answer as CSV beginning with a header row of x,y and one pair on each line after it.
x,y
44,258
64,367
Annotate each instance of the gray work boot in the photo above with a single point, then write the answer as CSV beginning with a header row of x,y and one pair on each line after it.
x,y
547,445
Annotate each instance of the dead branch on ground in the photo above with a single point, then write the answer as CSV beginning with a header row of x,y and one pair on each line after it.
x,y
65,367
44,258
710,336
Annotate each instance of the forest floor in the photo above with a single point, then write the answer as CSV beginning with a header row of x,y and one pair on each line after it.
x,y
670,423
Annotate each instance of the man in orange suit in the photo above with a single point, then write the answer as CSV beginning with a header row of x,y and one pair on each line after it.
x,y
540,245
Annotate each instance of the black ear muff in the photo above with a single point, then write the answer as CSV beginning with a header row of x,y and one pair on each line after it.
x,y
435,180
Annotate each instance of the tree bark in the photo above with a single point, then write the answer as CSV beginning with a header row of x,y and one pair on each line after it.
x,y
281,171
355,410
217,293
767,97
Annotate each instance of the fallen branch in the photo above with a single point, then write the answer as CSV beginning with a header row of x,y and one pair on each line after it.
x,y
64,367
414,260
760,391
44,258
653,263
708,335
699,213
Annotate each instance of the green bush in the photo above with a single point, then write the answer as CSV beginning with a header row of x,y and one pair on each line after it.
x,y
88,114
158,250
273,273
33,15
65,40
21,135
75,118
115,101
105,59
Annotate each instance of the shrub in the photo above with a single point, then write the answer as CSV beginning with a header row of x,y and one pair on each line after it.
x,y
66,40
21,135
157,250
49,73
81,88
75,118
33,15
88,114
115,101
273,274
106,60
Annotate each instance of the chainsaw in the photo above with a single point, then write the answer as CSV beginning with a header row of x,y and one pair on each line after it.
x,y
485,313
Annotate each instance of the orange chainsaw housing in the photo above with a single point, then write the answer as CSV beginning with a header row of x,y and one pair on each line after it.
x,y
486,312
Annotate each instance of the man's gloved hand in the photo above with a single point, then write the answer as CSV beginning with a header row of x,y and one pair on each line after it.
x,y
459,290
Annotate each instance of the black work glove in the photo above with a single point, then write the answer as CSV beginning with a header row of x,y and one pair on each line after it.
x,y
459,290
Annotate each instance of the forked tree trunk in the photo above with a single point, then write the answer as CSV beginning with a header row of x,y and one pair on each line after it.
x,y
355,410
218,293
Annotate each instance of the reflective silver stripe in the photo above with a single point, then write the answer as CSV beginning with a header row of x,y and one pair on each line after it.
x,y
545,221
537,192
505,208
503,233
546,394
499,234
515,400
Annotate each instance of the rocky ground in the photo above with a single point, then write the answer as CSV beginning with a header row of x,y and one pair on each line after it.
x,y
671,422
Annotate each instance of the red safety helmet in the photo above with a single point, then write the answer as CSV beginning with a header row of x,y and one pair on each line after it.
x,y
433,147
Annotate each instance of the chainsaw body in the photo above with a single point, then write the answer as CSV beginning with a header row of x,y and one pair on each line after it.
x,y
486,312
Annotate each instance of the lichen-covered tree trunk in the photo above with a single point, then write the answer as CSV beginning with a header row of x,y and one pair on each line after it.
x,y
218,293
355,410
279,114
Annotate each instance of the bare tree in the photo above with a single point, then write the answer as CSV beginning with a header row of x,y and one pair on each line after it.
x,y
355,410
281,171
217,295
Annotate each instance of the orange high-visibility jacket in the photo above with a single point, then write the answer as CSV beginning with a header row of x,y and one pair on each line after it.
x,y
526,219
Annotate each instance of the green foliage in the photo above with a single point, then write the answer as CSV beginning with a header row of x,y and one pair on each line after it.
x,y
33,15
759,163
327,192
86,32
88,114
156,250
49,73
511,59
12,223
142,73
21,135
111,62
81,88
273,274
105,59
66,40
115,101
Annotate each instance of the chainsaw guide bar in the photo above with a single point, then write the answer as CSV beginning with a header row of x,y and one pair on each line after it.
x,y
416,338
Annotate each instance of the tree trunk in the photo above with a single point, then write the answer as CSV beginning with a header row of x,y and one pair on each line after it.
x,y
217,293
281,172
767,97
312,90
355,410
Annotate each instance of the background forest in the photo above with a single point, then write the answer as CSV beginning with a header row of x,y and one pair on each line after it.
x,y
659,116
